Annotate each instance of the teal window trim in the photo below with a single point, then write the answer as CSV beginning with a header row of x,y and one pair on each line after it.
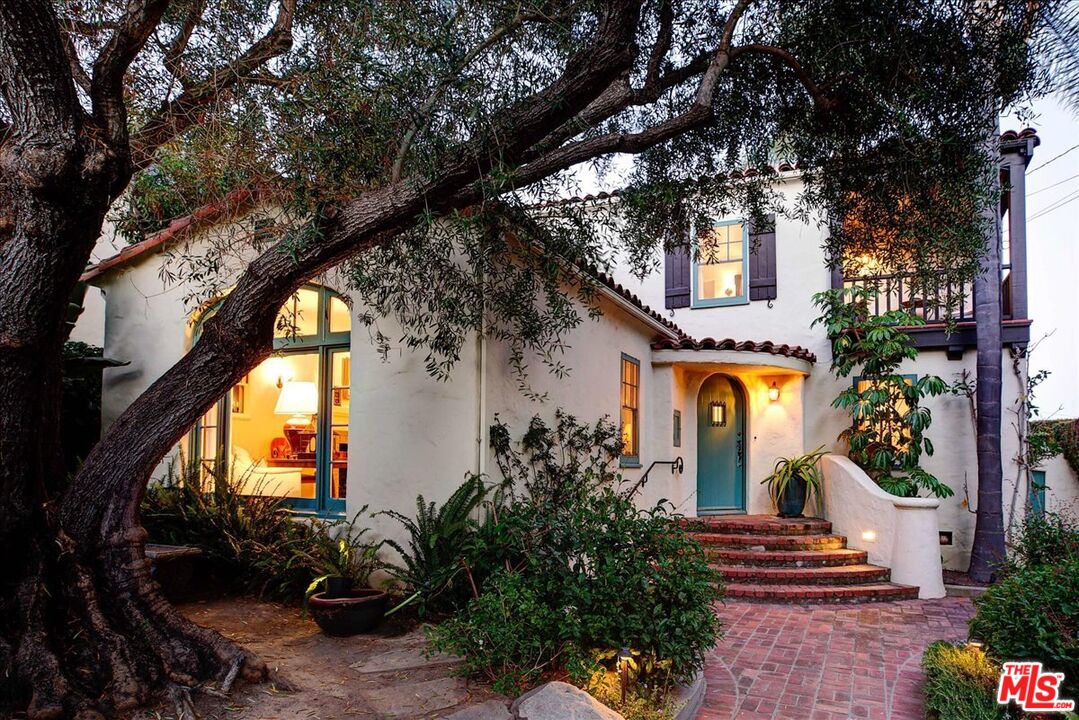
x,y
1036,495
634,460
743,298
325,343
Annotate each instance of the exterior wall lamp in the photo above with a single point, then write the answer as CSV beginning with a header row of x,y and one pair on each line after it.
x,y
773,392
717,413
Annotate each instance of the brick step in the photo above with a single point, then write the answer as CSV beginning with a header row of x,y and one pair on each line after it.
x,y
876,592
757,524
842,575
787,558
772,542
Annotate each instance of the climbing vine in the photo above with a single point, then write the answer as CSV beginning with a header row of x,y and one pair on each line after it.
x,y
888,422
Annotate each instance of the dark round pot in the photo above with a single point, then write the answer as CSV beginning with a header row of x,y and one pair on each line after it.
x,y
792,501
360,612
337,587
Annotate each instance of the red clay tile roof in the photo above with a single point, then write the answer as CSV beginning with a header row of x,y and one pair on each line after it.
x,y
235,202
767,346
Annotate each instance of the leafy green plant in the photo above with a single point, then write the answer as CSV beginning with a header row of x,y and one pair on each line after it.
x,y
1054,437
616,575
1047,539
434,558
960,684
338,550
887,436
1033,614
250,542
802,468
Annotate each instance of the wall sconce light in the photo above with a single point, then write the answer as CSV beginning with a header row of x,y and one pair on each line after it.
x,y
869,535
773,392
717,413
625,657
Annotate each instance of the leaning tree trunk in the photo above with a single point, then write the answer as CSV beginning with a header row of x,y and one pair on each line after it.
x,y
988,549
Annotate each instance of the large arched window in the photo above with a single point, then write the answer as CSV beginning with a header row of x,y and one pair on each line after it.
x,y
284,428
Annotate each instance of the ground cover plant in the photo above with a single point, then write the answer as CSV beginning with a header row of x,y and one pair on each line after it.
x,y
567,571
960,684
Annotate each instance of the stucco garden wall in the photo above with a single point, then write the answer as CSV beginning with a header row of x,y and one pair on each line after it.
x,y
1062,486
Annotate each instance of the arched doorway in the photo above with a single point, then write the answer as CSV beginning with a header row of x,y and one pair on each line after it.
x,y
721,447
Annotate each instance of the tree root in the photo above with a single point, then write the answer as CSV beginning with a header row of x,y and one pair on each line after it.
x,y
122,644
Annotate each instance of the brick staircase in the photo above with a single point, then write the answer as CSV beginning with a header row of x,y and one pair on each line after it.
x,y
770,559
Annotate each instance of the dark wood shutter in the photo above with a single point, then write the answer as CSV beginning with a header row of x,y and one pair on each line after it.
x,y
762,261
676,270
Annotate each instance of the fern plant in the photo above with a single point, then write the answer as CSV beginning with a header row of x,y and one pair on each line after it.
x,y
435,553
338,549
802,468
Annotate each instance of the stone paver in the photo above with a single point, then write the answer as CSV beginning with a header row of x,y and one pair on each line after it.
x,y
826,662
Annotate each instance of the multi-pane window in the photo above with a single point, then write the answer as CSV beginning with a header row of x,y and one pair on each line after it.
x,y
888,425
719,273
283,430
631,407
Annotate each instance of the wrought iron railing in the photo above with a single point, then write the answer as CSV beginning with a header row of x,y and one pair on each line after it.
x,y
902,292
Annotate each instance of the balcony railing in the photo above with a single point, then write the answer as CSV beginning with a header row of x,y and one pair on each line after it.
x,y
954,301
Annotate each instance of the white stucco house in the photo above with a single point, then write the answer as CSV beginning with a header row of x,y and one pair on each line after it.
x,y
713,364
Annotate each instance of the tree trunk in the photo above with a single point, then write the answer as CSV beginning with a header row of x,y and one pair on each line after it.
x,y
988,549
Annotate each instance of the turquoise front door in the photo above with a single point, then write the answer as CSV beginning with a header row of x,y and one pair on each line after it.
x,y
721,463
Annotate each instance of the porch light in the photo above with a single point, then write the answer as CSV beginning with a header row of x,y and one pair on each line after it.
x,y
717,413
773,392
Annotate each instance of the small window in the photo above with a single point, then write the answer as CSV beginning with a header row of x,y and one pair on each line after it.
x,y
720,267
678,428
630,415
901,409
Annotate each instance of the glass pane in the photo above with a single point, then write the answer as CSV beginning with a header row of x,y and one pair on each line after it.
x,y
340,318
629,431
299,316
274,439
340,392
734,242
720,280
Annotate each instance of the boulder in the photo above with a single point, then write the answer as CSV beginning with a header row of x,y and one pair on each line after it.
x,y
560,701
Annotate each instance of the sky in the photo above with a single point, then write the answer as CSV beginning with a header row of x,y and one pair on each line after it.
x,y
1053,254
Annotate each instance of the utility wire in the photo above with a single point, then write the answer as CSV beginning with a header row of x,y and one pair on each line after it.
x,y
1073,147
1056,206
1049,187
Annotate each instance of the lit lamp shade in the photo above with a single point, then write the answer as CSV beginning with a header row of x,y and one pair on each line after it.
x,y
299,400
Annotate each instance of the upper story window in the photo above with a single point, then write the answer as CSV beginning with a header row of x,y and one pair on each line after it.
x,y
631,410
720,268
283,430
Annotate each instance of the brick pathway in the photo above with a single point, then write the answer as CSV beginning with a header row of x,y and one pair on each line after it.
x,y
826,662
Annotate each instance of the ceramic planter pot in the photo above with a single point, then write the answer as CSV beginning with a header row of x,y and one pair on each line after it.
x,y
792,501
359,612
337,587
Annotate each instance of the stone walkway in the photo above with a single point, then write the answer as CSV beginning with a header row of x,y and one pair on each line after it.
x,y
826,662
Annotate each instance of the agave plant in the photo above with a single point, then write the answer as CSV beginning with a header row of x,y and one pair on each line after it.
x,y
437,536
802,468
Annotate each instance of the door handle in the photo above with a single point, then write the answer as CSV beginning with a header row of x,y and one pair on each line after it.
x,y
740,451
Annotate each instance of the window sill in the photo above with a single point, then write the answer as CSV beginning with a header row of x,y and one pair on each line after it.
x,y
629,463
723,302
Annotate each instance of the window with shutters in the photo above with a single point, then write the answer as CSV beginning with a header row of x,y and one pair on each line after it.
x,y
721,266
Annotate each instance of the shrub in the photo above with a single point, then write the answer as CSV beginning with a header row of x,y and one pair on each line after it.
x,y
1044,540
596,572
1033,614
251,543
434,561
960,684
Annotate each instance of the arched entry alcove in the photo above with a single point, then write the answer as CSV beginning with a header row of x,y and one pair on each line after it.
x,y
721,446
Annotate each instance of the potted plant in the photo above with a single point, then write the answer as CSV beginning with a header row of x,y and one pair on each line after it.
x,y
791,482
347,606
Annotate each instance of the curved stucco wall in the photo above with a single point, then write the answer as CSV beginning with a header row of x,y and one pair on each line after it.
x,y
898,533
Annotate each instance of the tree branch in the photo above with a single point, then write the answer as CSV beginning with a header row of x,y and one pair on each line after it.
x,y
820,98
107,83
662,46
423,114
177,115
178,45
